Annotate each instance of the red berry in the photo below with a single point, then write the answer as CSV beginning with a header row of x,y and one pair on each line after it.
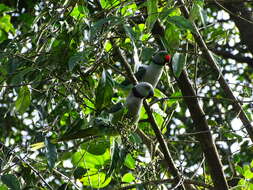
x,y
167,58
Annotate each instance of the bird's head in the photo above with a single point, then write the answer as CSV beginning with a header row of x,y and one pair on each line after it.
x,y
143,90
161,58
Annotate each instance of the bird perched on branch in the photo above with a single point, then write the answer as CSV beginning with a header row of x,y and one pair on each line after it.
x,y
152,73
130,111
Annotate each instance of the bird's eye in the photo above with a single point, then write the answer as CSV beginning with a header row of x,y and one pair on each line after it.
x,y
167,58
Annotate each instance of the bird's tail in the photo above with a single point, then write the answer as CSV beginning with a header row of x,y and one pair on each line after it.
x,y
39,145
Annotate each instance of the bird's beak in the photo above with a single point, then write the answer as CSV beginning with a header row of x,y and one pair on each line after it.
x,y
150,95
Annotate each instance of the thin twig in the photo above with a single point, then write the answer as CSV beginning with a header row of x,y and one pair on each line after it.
x,y
28,164
157,182
222,81
201,97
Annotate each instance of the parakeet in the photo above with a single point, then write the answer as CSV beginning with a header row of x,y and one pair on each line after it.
x,y
130,110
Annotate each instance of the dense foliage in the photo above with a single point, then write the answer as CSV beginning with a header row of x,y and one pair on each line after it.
x,y
61,68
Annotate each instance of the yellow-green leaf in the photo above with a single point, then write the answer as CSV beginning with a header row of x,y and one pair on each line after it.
x,y
128,178
5,23
95,179
24,99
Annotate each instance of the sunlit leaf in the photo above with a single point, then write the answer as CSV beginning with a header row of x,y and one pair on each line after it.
x,y
108,46
129,9
79,12
87,160
129,162
128,178
95,179
3,187
5,23
107,4
239,169
24,99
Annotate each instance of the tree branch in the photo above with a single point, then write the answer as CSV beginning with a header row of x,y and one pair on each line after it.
x,y
164,148
157,182
222,81
201,126
237,57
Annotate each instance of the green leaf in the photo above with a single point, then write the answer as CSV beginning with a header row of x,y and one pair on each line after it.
x,y
130,32
129,162
172,101
3,36
181,22
239,169
146,54
212,123
128,178
152,14
4,8
247,172
107,46
88,161
11,181
95,179
76,59
3,187
197,12
79,12
51,153
179,61
19,77
27,19
5,23
118,155
251,164
107,4
104,91
79,172
129,9
172,37
97,147
24,99
166,12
